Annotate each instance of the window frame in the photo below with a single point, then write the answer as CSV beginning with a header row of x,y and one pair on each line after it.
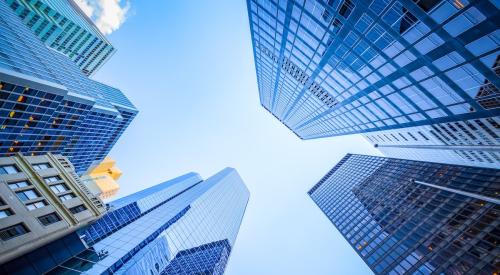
x,y
24,230
10,184
40,166
8,212
27,198
64,196
4,171
49,219
48,180
33,205
78,209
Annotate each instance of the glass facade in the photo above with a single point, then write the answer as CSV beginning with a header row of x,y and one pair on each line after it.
x,y
48,105
183,226
336,67
61,25
469,142
412,217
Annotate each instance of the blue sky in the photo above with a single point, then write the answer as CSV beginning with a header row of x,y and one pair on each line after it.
x,y
188,67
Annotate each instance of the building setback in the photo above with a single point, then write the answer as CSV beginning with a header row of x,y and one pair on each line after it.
x,y
64,27
413,217
41,200
48,105
330,68
183,226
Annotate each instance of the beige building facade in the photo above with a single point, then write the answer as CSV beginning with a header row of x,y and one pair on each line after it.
x,y
41,200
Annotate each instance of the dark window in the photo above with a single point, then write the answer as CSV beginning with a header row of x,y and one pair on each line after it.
x,y
426,5
13,231
77,209
346,8
49,219
407,21
420,133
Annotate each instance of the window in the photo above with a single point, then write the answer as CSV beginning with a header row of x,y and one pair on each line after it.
x,y
426,5
15,185
420,133
49,219
5,213
13,231
78,209
346,8
8,169
27,195
41,166
66,197
52,179
59,188
36,205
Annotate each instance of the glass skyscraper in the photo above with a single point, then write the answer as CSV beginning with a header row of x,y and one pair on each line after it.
x,y
48,105
183,226
63,26
461,142
412,217
337,67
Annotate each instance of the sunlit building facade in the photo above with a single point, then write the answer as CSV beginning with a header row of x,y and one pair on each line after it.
x,y
64,27
183,226
412,217
48,105
102,179
337,67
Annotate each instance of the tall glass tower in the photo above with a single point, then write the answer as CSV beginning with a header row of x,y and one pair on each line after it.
x,y
63,26
412,217
335,67
48,105
183,226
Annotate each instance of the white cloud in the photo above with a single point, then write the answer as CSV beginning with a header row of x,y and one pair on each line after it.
x,y
85,6
108,15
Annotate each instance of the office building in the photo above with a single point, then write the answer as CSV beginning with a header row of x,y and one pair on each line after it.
x,y
41,200
63,26
413,217
469,142
330,68
183,226
48,105
102,178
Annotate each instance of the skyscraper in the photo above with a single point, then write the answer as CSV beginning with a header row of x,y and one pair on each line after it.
x,y
412,217
183,226
41,200
63,26
48,105
337,67
462,142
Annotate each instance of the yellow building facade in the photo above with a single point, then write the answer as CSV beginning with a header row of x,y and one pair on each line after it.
x,y
102,178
